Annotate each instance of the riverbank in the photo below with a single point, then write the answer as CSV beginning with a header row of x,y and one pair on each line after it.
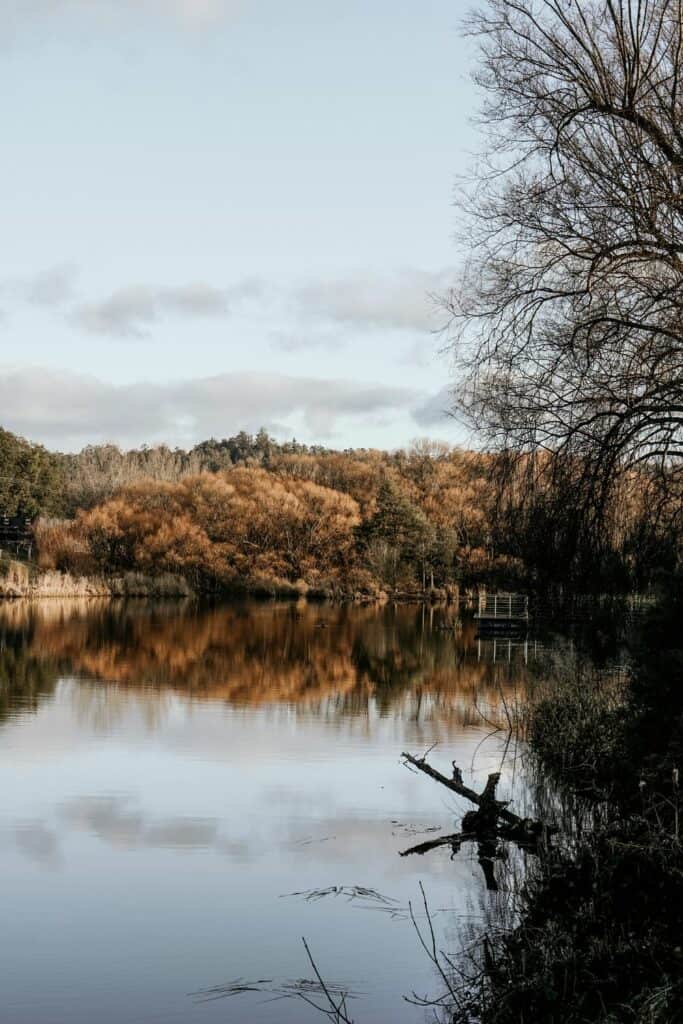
x,y
22,580
601,917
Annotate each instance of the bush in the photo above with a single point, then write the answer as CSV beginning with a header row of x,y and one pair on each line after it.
x,y
601,920
62,546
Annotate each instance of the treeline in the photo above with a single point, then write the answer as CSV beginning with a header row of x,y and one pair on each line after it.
x,y
250,513
283,519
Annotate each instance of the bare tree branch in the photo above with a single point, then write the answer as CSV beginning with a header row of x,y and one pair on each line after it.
x,y
567,323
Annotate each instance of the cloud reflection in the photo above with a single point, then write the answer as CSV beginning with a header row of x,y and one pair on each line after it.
x,y
112,820
38,843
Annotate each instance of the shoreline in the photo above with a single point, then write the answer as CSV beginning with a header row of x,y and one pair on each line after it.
x,y
22,580
25,582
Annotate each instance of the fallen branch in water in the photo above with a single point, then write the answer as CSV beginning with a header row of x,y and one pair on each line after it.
x,y
483,823
489,807
481,826
454,840
526,837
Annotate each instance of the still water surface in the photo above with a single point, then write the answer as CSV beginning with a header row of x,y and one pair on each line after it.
x,y
170,775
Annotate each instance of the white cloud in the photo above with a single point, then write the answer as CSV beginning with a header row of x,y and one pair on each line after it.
x,y
316,314
51,287
129,312
404,300
48,288
421,353
197,11
65,409
304,339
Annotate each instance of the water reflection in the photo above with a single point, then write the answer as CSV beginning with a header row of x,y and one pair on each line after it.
x,y
177,770
259,654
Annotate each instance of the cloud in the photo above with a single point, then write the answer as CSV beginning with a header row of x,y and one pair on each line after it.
x,y
317,313
436,411
129,312
185,12
305,340
421,353
48,288
200,12
63,407
404,300
68,410
51,287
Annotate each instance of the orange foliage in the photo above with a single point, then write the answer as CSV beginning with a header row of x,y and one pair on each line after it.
x,y
301,519
222,529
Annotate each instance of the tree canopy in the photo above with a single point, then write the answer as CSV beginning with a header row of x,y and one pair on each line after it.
x,y
31,478
568,319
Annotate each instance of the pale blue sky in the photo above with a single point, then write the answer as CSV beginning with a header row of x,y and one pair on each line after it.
x,y
225,213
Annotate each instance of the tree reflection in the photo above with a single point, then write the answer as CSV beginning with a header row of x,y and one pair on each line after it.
x,y
334,658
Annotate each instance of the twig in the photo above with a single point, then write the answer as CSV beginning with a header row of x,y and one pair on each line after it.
x,y
337,1011
431,948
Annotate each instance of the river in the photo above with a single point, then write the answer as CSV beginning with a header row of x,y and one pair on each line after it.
x,y
172,775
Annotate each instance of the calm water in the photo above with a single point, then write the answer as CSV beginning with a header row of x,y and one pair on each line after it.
x,y
170,775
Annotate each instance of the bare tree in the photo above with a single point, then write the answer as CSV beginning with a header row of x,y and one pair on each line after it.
x,y
567,325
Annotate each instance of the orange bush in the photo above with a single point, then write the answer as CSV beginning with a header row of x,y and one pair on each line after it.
x,y
226,528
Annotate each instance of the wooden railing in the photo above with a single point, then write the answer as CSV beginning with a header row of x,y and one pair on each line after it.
x,y
506,607
16,535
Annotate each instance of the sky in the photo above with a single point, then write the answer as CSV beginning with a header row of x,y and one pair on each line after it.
x,y
226,214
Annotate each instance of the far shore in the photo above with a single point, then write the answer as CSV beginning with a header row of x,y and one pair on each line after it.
x,y
22,581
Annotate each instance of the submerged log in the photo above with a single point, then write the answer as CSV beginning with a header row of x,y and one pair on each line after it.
x,y
490,809
491,822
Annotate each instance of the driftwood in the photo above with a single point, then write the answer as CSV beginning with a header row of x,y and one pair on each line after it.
x,y
490,809
491,822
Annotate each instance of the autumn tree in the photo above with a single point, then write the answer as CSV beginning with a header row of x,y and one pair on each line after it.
x,y
226,530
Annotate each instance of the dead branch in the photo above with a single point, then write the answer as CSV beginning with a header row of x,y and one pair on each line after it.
x,y
485,801
453,840
334,1011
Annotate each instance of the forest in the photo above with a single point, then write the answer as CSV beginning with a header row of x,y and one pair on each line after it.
x,y
250,514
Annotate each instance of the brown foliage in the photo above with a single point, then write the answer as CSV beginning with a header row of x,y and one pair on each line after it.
x,y
222,529
62,546
357,522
